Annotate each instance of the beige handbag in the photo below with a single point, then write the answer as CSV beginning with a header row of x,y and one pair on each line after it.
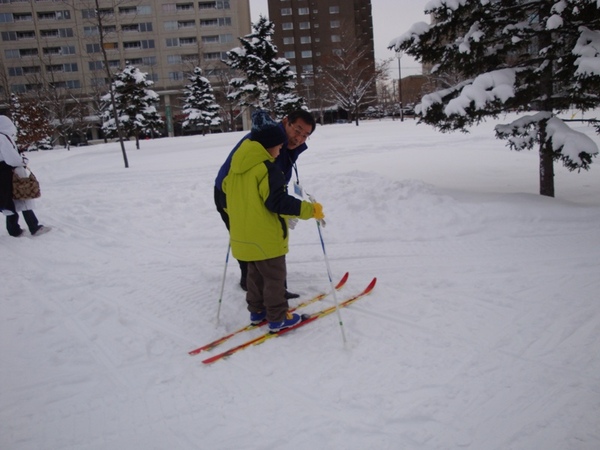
x,y
26,188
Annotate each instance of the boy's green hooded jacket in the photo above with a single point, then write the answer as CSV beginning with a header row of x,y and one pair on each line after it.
x,y
258,204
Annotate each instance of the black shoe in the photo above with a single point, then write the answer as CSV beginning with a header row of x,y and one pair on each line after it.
x,y
243,284
17,234
290,295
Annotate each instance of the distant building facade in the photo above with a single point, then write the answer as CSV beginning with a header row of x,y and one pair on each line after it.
x,y
308,32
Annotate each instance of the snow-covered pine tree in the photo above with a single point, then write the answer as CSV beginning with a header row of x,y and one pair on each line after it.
x,y
34,131
536,57
200,107
268,82
136,105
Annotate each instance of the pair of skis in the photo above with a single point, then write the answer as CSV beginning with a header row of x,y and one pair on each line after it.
x,y
307,318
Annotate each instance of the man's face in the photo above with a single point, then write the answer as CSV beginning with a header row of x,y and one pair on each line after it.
x,y
297,132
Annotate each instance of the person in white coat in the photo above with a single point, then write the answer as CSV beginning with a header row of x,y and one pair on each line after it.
x,y
11,160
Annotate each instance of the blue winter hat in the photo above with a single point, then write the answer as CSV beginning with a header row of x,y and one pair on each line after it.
x,y
265,130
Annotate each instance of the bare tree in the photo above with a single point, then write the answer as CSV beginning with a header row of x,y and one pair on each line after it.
x,y
230,111
349,77
385,101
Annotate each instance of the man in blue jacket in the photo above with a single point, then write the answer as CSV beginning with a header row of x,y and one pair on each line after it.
x,y
297,126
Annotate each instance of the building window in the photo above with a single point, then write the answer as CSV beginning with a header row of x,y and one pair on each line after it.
x,y
91,31
286,11
95,65
130,45
210,39
287,26
303,11
304,25
10,36
288,40
306,53
334,10
185,7
186,24
171,25
25,35
214,5
212,56
6,17
24,17
137,27
25,52
91,13
52,51
305,40
289,55
336,38
334,24
222,22
188,41
70,84
175,76
135,10
54,68
15,71
68,49
12,54
95,48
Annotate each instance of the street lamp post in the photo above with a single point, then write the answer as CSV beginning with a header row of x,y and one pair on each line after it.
x,y
399,56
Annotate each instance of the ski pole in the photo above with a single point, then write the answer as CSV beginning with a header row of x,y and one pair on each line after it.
x,y
223,282
337,309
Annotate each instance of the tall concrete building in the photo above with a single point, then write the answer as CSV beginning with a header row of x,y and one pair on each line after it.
x,y
309,32
58,43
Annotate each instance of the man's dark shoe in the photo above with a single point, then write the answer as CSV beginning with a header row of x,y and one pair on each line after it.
x,y
290,295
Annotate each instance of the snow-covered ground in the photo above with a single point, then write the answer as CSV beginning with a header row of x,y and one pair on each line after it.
x,y
483,331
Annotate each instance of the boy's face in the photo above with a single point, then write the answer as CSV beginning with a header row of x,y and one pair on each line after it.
x,y
297,132
274,151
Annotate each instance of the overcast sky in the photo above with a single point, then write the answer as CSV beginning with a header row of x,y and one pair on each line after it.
x,y
391,18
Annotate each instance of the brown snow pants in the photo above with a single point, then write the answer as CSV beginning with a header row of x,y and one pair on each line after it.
x,y
266,288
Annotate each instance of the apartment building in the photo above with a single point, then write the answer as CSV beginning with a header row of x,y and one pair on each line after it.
x,y
308,32
58,43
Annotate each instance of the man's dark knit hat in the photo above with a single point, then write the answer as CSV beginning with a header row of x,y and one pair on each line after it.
x,y
265,130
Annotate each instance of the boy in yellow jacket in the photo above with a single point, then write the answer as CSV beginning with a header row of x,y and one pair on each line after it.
x,y
259,207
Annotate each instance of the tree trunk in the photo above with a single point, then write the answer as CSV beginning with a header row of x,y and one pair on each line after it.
x,y
111,90
547,93
546,165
